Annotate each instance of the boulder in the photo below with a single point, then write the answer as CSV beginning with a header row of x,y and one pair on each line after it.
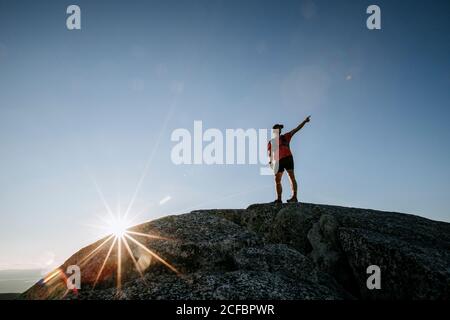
x,y
267,251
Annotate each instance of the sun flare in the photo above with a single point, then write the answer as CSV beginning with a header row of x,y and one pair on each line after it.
x,y
119,238
117,226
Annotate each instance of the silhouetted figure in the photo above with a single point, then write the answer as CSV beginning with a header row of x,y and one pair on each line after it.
x,y
280,158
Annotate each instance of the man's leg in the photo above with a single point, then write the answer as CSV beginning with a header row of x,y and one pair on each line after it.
x,y
279,189
293,183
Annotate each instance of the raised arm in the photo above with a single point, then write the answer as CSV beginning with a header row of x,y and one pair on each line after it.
x,y
301,125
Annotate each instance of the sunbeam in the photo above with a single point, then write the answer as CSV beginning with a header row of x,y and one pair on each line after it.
x,y
149,161
117,228
104,262
150,236
93,252
119,264
125,242
52,276
102,198
168,265
117,225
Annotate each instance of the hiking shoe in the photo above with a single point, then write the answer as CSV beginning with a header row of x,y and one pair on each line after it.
x,y
292,200
277,201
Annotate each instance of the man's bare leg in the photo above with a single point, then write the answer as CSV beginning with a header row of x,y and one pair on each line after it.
x,y
293,185
278,187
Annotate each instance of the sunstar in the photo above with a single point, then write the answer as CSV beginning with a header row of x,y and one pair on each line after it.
x,y
118,226
119,238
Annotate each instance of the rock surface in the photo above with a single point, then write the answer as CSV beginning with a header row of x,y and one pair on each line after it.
x,y
291,251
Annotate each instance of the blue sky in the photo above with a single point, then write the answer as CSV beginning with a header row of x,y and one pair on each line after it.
x,y
79,106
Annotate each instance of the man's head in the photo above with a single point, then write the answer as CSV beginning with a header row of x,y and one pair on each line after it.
x,y
276,129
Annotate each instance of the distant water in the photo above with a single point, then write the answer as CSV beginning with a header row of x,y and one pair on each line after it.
x,y
17,281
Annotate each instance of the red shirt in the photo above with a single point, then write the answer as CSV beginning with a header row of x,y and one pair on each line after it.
x,y
281,147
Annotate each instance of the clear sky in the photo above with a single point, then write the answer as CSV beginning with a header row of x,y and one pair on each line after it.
x,y
96,104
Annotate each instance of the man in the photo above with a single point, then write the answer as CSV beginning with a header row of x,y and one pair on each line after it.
x,y
280,153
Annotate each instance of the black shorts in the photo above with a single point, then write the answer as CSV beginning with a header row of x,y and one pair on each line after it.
x,y
286,163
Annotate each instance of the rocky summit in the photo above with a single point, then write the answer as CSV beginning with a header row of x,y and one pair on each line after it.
x,y
289,251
